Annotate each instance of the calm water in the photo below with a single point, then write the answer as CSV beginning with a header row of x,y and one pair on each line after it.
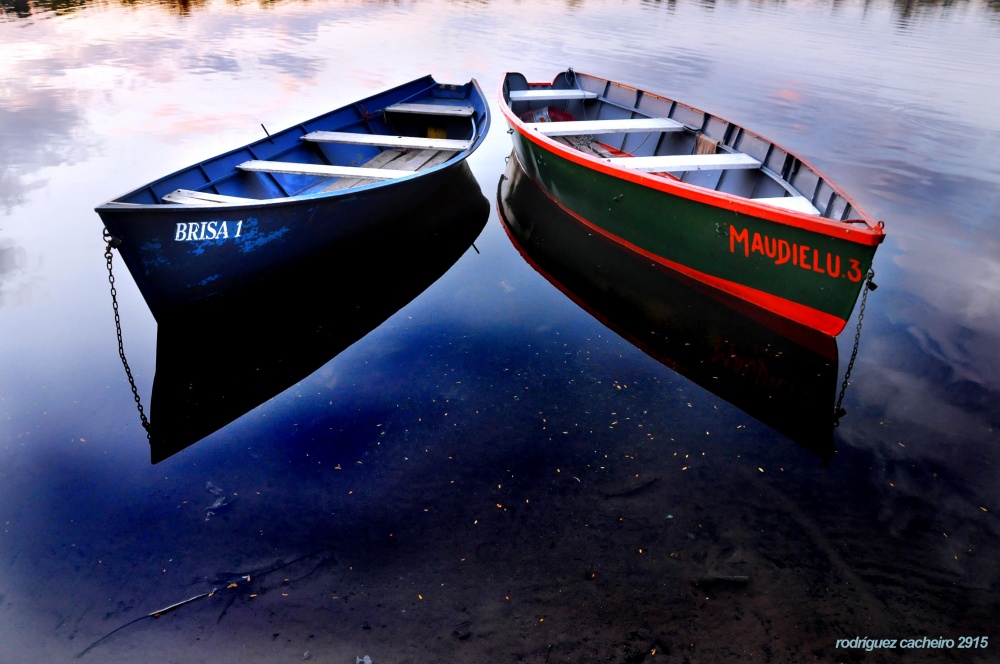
x,y
491,473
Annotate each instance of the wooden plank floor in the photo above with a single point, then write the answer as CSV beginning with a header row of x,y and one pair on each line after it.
x,y
585,144
402,160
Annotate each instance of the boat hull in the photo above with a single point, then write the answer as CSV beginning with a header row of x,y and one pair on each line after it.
x,y
810,271
180,257
232,221
782,374
354,286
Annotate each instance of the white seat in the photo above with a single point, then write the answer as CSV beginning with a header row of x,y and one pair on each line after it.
x,y
322,170
189,197
687,162
794,203
464,111
621,126
387,141
550,95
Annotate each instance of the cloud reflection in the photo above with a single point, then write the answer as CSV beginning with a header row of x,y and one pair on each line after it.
x,y
16,278
206,63
968,286
293,65
36,131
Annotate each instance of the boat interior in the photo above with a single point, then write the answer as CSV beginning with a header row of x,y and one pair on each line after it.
x,y
631,128
344,149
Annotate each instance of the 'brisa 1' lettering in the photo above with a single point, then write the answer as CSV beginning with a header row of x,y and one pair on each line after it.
x,y
207,230
791,253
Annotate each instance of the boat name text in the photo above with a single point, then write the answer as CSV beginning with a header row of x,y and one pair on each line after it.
x,y
206,230
791,253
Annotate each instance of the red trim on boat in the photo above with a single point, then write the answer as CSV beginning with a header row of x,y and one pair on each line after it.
x,y
814,318
864,231
806,337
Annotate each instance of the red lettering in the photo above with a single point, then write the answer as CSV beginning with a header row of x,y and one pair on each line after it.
x,y
854,274
784,252
780,250
737,236
834,269
816,265
770,249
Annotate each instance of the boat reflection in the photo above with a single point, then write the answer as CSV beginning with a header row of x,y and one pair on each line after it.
x,y
267,339
779,373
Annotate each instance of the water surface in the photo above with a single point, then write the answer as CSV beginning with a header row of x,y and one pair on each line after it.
x,y
494,472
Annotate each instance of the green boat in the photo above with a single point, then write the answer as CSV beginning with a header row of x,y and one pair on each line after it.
x,y
696,193
782,374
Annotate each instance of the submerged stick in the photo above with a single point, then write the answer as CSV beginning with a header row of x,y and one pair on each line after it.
x,y
154,614
157,614
222,578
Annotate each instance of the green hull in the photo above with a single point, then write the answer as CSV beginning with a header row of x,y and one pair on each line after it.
x,y
781,374
807,276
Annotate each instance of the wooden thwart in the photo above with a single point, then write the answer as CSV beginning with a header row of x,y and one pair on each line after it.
x,y
387,141
190,197
621,126
550,95
321,170
464,111
687,162
794,203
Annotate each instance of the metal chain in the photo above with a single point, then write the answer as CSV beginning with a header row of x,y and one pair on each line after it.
x,y
838,411
108,255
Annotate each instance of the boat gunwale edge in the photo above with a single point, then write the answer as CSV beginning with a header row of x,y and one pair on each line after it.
x,y
870,233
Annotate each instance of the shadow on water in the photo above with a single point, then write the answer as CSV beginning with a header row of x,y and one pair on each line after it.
x,y
781,374
216,362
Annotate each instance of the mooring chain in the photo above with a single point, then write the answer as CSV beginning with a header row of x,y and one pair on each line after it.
x,y
869,286
108,256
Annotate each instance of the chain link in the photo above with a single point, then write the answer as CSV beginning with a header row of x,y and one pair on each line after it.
x,y
838,411
108,256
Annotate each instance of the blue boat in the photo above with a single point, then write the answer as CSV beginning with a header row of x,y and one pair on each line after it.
x,y
350,294
226,223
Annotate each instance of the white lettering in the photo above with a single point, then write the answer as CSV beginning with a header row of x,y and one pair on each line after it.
x,y
205,230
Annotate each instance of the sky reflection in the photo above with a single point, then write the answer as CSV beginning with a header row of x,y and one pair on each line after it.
x,y
492,376
13,261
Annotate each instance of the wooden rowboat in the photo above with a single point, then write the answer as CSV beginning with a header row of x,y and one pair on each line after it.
x,y
777,372
351,293
696,193
227,222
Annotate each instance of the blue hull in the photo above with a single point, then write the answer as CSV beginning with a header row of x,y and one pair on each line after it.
x,y
235,225
354,287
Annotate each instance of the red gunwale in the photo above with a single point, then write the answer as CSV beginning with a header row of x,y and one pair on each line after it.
x,y
792,330
870,234
814,318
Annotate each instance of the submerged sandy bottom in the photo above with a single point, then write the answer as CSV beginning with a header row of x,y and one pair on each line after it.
x,y
595,547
